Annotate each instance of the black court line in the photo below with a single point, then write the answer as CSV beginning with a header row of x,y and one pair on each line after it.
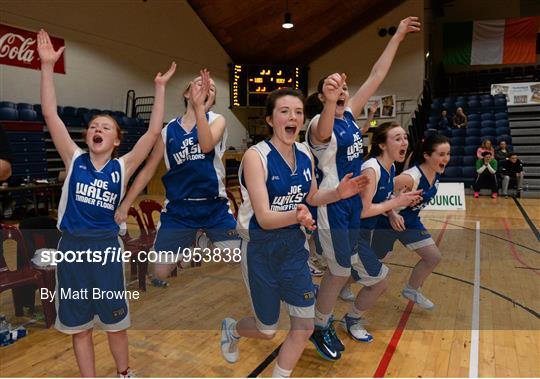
x,y
264,364
487,234
505,297
527,218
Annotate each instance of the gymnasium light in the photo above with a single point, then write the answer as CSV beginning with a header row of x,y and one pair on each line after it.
x,y
287,21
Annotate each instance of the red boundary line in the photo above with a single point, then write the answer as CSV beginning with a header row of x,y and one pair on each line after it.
x,y
392,345
513,250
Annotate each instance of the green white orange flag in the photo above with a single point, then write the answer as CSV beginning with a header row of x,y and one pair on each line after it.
x,y
510,41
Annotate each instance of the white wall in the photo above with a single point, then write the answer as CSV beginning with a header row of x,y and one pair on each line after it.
x,y
113,46
357,55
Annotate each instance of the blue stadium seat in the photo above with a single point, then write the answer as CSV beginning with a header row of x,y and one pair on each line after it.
x,y
500,104
488,131
501,124
95,111
455,161
486,103
433,120
453,172
487,124
9,114
70,111
446,132
130,121
118,113
492,138
7,104
501,116
87,117
469,161
458,141
502,130
457,150
141,123
473,105
486,96
461,104
487,117
25,106
60,110
504,137
473,117
461,98
27,115
473,132
473,98
473,125
37,108
449,99
469,172
471,149
81,111
472,141
430,132
458,133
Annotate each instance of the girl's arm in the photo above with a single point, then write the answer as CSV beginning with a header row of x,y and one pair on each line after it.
x,y
209,134
140,181
370,209
60,136
382,66
371,114
144,145
321,129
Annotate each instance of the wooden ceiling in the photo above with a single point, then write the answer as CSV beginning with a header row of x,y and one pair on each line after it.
x,y
250,30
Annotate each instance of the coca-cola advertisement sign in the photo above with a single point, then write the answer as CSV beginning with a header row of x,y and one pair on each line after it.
x,y
18,47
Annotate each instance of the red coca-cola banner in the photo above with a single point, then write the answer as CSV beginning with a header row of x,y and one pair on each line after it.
x,y
18,47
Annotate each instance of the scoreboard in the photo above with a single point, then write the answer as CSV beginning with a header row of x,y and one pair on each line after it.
x,y
251,84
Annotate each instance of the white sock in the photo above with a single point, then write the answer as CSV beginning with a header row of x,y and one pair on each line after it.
x,y
321,319
408,286
280,372
354,312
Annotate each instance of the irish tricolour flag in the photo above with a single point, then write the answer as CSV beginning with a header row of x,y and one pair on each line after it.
x,y
510,41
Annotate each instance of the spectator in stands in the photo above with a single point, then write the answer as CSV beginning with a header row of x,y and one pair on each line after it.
x,y
5,156
460,119
501,152
486,146
444,121
512,168
486,167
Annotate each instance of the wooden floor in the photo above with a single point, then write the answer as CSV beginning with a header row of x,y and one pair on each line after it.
x,y
175,330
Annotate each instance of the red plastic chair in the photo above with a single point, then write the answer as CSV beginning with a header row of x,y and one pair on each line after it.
x,y
24,276
147,208
232,199
138,268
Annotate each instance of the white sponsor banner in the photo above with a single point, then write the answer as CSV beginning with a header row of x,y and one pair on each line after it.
x,y
518,93
450,197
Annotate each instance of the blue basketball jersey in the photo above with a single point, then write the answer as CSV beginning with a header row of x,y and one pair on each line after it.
x,y
428,192
342,154
384,181
191,174
287,187
90,197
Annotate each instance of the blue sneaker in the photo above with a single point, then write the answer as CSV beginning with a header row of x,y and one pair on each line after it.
x,y
322,340
338,345
355,327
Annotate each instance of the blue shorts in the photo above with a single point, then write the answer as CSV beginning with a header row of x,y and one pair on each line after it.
x,y
276,270
367,269
179,224
338,225
415,236
79,298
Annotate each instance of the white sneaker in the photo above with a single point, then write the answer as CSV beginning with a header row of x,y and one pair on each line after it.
x,y
129,373
418,297
229,343
354,326
347,294
313,269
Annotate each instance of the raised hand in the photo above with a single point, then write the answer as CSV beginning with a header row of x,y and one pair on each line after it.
x,y
373,107
408,25
198,91
333,86
350,186
162,79
47,54
304,218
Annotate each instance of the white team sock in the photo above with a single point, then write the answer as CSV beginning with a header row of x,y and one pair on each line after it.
x,y
354,312
321,319
280,372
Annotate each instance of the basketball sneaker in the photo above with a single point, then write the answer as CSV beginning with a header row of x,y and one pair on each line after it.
x,y
313,269
129,373
354,326
338,345
347,294
322,340
417,297
229,343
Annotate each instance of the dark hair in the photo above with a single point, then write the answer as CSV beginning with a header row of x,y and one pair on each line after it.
x,y
511,154
278,93
379,137
114,153
320,85
487,152
430,144
313,106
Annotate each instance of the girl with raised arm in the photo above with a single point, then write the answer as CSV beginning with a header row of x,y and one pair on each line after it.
x,y
336,140
93,188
